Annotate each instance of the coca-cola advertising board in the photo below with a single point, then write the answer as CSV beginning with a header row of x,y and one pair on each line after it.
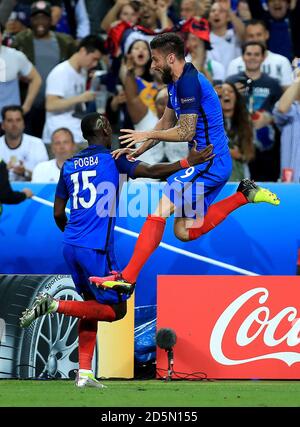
x,y
232,326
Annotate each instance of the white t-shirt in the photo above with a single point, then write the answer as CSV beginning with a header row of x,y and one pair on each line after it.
x,y
275,65
225,48
46,172
216,69
31,151
64,81
12,64
155,154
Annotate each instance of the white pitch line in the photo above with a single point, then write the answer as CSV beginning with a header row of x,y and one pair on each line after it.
x,y
42,201
168,247
191,254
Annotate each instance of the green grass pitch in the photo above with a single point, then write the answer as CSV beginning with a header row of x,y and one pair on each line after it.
x,y
151,393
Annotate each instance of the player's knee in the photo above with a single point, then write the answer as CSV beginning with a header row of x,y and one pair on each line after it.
x,y
182,235
183,238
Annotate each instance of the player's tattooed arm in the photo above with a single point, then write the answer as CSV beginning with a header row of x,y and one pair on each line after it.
x,y
185,131
187,126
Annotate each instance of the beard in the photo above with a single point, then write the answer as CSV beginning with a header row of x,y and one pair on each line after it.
x,y
167,75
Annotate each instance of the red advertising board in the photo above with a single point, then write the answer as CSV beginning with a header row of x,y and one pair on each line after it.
x,y
232,326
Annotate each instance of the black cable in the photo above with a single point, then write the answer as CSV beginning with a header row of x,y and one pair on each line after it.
x,y
189,376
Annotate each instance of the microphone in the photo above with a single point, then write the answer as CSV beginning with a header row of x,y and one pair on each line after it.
x,y
166,338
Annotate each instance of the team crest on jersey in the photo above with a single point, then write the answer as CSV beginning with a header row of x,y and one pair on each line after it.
x,y
187,100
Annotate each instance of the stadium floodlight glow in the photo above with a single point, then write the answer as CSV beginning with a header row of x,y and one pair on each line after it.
x,y
166,339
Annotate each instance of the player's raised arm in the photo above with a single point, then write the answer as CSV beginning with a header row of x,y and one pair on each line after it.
x,y
184,131
167,121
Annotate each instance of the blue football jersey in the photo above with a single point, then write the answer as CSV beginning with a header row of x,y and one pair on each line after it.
x,y
90,180
192,93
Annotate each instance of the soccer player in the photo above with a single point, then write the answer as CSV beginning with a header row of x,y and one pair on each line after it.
x,y
88,234
194,112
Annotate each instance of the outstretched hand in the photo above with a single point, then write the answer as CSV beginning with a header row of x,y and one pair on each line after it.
x,y
133,137
196,157
130,153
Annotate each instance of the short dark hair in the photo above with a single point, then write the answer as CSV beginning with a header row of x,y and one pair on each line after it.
x,y
93,123
67,130
169,43
253,43
92,43
256,22
11,108
2,29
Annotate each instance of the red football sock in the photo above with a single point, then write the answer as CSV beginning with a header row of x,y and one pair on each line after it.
x,y
217,213
87,332
89,310
148,240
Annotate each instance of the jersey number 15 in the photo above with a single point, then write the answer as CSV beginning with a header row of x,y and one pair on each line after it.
x,y
86,185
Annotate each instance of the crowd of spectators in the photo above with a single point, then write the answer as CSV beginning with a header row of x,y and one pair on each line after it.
x,y
63,58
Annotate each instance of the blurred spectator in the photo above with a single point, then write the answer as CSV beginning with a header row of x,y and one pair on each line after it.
x,y
172,12
274,65
7,195
140,94
6,7
197,44
239,130
56,8
20,151
225,41
142,115
96,11
123,10
62,147
153,18
66,92
45,49
135,71
243,10
194,8
138,60
74,19
17,22
12,65
117,113
287,118
261,93
282,19
154,12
